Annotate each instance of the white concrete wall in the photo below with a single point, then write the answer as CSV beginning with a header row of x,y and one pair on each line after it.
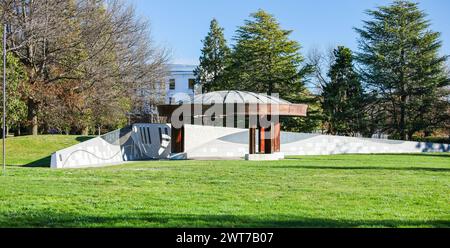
x,y
315,144
147,140
142,142
219,142
94,152
207,141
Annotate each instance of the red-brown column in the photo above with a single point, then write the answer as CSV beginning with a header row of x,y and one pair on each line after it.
x,y
261,140
269,141
177,144
277,137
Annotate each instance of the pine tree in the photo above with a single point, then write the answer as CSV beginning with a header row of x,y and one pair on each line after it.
x,y
403,68
343,95
264,59
215,53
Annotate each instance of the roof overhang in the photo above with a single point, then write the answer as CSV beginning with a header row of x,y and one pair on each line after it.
x,y
240,109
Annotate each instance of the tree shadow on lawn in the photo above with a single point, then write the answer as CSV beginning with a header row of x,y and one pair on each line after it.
x,y
319,167
43,162
133,219
435,154
343,156
83,138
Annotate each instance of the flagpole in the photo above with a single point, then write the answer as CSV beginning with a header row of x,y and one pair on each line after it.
x,y
4,98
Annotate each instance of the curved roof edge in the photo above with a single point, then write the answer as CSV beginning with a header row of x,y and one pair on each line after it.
x,y
234,96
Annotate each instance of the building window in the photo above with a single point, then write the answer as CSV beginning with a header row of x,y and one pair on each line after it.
x,y
172,84
191,83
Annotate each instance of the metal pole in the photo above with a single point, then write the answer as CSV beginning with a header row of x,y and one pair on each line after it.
x,y
4,98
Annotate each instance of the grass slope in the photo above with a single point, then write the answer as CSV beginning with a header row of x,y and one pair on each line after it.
x,y
314,191
35,151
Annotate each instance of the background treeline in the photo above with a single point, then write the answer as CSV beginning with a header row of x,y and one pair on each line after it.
x,y
396,83
76,66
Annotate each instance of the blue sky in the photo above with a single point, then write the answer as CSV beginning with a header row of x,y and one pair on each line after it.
x,y
180,25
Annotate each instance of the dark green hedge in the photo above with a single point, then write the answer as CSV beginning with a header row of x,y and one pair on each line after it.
x,y
445,140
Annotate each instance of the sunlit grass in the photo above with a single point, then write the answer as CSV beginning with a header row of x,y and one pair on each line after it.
x,y
411,190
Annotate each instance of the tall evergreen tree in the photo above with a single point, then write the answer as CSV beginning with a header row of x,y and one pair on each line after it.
x,y
403,68
215,53
265,59
343,96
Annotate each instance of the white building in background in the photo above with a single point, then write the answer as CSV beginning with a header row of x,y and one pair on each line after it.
x,y
177,85
180,80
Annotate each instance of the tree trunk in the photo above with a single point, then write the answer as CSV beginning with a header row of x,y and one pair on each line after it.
x,y
32,117
402,125
85,131
99,130
403,96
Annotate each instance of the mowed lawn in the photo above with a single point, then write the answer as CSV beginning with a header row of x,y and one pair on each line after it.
x,y
35,151
410,190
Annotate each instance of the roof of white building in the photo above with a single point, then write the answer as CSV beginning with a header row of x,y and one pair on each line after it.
x,y
234,96
181,68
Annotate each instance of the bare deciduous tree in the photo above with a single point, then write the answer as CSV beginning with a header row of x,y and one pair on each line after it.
x,y
93,50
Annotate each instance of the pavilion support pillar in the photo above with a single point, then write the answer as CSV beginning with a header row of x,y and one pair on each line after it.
x,y
269,141
277,136
252,141
269,138
177,137
261,139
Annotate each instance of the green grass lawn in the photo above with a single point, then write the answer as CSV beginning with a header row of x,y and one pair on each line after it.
x,y
32,151
410,190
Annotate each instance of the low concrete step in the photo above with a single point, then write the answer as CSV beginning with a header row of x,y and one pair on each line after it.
x,y
264,156
178,156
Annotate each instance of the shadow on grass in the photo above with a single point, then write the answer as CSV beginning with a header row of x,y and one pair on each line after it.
x,y
319,167
43,162
84,138
133,219
442,155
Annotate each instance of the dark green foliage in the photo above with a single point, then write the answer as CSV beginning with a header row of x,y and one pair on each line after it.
x,y
343,98
264,59
432,139
215,54
403,69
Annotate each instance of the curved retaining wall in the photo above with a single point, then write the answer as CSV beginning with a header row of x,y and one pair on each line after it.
x,y
316,144
207,141
139,142
152,141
